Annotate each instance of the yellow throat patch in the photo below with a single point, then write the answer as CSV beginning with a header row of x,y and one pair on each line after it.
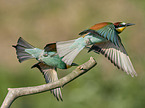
x,y
120,29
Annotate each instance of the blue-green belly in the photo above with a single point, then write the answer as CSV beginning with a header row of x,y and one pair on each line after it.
x,y
54,61
49,58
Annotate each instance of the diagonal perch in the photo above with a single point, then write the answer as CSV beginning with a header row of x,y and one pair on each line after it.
x,y
14,93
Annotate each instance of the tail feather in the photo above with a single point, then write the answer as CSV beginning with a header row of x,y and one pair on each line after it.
x,y
20,50
23,43
68,50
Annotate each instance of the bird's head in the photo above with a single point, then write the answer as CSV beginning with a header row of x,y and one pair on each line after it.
x,y
120,26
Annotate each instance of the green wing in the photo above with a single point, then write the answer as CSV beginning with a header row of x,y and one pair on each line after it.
x,y
108,32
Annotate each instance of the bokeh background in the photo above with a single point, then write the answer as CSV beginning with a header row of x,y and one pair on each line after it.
x,y
43,21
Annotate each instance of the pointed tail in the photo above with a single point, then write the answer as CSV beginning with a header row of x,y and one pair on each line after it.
x,y
69,49
20,50
50,75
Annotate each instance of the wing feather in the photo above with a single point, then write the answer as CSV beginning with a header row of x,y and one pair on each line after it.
x,y
106,30
111,34
117,55
50,75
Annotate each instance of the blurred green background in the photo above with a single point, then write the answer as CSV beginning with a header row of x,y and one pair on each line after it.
x,y
43,21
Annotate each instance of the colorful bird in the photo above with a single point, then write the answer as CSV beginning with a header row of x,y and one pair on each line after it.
x,y
48,63
103,38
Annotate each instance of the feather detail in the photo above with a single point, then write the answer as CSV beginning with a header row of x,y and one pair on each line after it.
x,y
99,25
106,30
50,47
117,55
50,75
110,34
68,50
22,55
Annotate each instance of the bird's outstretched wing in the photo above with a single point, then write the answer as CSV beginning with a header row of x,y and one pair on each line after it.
x,y
105,30
50,75
117,55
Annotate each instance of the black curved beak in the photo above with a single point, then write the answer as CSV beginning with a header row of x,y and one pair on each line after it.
x,y
129,24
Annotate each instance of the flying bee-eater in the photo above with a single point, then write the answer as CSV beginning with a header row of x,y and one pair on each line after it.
x,y
102,37
48,61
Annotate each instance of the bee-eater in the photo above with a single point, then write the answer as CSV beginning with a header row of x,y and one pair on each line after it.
x,y
48,61
104,38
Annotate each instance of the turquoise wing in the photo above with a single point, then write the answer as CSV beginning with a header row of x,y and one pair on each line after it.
x,y
109,33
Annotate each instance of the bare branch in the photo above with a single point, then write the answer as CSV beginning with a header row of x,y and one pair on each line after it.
x,y
14,93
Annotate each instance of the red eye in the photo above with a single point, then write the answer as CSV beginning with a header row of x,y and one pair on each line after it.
x,y
120,25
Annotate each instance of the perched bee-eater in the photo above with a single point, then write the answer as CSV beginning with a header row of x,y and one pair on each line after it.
x,y
48,61
102,37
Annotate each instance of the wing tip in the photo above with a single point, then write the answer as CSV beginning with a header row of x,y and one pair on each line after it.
x,y
57,94
134,74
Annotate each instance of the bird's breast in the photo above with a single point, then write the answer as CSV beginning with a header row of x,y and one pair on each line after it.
x,y
52,59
